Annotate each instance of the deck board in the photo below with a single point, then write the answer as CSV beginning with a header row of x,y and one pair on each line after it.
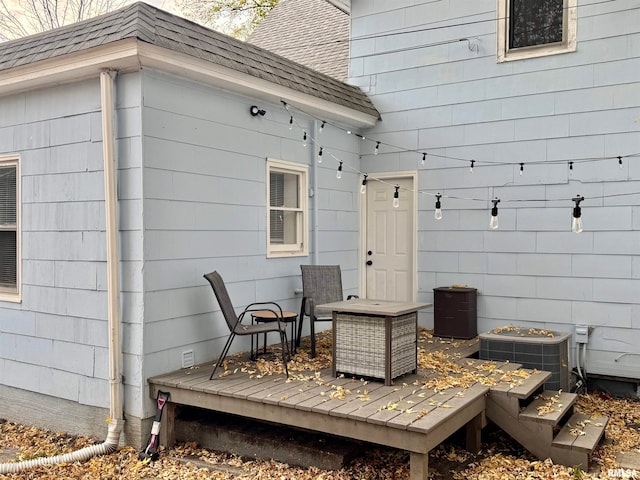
x,y
401,415
323,393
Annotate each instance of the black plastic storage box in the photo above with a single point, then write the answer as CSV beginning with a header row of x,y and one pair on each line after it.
x,y
455,312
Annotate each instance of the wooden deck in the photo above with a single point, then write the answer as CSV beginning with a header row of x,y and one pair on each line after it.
x,y
407,415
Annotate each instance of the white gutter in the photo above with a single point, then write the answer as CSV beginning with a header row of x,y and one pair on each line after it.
x,y
132,55
116,422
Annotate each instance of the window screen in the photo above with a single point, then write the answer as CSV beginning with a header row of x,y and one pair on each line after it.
x,y
535,22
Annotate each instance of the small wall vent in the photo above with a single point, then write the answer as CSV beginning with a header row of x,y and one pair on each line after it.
x,y
188,359
542,349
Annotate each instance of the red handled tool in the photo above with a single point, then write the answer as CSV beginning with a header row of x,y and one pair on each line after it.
x,y
152,451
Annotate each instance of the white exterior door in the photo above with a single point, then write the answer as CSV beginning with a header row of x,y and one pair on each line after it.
x,y
389,246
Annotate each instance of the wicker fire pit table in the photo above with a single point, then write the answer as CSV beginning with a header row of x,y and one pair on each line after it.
x,y
374,338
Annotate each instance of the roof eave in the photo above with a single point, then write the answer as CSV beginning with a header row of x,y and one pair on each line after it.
x,y
233,80
122,56
132,54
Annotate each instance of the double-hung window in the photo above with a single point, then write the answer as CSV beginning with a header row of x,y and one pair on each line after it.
x,y
9,229
534,28
287,223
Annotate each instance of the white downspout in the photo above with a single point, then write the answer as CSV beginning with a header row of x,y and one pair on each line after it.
x,y
107,86
116,422
314,211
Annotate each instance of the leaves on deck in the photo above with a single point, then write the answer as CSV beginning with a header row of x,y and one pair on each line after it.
x,y
448,371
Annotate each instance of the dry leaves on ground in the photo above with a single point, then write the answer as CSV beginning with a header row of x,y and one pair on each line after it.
x,y
495,462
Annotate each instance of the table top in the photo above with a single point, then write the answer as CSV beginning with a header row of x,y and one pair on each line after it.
x,y
269,315
374,307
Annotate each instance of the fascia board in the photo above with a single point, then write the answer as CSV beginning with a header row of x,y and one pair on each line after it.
x,y
131,55
73,67
233,80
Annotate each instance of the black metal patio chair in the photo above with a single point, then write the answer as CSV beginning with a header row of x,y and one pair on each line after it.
x,y
320,284
234,322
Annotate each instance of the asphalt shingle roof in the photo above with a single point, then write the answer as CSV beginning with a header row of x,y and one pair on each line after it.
x,y
154,26
314,33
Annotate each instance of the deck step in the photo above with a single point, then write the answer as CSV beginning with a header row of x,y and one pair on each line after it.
x,y
581,433
548,407
520,383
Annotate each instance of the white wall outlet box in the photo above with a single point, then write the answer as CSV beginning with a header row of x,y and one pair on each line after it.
x,y
581,334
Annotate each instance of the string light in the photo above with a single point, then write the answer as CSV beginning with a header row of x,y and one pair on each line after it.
x,y
438,212
576,222
363,187
494,210
322,126
396,195
472,162
493,223
304,139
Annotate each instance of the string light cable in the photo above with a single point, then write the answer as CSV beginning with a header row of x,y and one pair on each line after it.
x,y
471,163
393,149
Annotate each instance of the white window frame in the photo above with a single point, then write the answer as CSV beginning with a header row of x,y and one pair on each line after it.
x,y
301,248
14,294
568,44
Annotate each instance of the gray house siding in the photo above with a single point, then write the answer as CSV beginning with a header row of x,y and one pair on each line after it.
x,y
198,206
448,100
192,198
55,341
205,209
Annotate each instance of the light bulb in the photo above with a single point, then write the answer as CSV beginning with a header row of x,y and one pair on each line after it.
x,y
437,214
291,123
424,157
570,168
304,139
339,172
363,187
396,199
375,150
473,162
576,225
521,169
620,162
576,222
322,126
320,155
493,223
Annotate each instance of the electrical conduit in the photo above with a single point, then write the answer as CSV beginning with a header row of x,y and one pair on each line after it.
x,y
116,422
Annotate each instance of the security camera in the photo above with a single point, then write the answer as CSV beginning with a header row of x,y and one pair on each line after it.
x,y
257,111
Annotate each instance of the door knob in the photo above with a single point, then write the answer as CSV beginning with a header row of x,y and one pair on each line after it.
x,y
369,252
369,262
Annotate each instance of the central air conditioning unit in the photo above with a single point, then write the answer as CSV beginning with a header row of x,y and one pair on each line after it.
x,y
532,348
